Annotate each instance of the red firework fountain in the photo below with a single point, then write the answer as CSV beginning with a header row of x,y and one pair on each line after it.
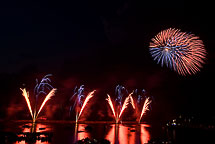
x,y
89,96
80,101
40,88
111,105
145,107
141,109
26,95
124,106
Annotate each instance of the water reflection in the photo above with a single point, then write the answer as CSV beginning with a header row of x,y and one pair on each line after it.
x,y
37,142
32,128
80,132
111,136
71,133
122,134
35,127
145,136
126,136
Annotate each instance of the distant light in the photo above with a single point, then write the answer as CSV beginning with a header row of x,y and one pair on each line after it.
x,y
174,124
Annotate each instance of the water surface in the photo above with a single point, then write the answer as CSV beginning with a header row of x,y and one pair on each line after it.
x,y
68,133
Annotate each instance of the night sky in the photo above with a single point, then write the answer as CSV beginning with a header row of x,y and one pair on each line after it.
x,y
101,44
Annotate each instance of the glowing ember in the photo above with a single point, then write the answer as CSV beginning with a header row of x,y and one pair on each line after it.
x,y
145,107
51,93
89,96
26,95
111,105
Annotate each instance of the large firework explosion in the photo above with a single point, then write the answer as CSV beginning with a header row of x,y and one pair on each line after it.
x,y
183,52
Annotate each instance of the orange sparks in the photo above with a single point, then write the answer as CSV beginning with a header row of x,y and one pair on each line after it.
x,y
26,95
132,100
145,107
89,96
125,104
111,105
51,93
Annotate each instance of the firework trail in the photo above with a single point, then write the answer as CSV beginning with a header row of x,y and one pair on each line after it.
x,y
111,105
145,107
120,91
132,100
41,87
51,93
124,106
89,96
26,95
80,96
180,51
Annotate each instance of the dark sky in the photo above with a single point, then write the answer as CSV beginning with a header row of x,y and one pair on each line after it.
x,y
102,44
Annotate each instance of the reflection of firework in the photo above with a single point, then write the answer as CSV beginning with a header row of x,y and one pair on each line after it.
x,y
79,103
180,51
122,134
40,88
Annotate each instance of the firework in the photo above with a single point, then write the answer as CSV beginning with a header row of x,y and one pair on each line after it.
x,y
78,93
183,52
79,103
51,93
111,105
43,86
124,106
26,95
141,108
132,100
120,91
145,107
89,96
40,88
